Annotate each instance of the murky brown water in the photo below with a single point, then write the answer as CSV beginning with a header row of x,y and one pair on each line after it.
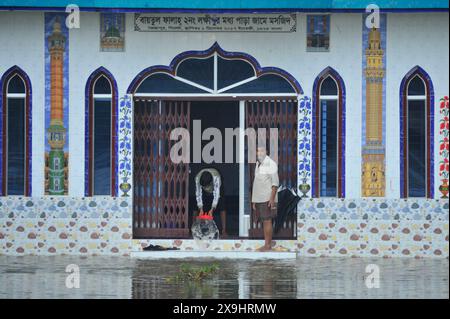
x,y
121,277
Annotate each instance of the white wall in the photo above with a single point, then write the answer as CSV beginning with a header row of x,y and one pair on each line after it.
x,y
410,41
22,40
286,51
413,39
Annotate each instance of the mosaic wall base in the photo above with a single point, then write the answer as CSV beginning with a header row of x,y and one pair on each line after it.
x,y
385,228
326,227
74,226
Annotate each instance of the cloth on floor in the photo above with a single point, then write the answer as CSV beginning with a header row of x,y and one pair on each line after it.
x,y
159,248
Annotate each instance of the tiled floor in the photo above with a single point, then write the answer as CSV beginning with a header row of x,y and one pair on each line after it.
x,y
121,277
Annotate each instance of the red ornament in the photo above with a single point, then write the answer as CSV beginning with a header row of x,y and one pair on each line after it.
x,y
207,217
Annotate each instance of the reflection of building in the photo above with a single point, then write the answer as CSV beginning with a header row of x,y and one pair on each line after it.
x,y
373,176
56,132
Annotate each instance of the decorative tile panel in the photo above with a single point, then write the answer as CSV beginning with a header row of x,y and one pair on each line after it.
x,y
125,145
65,225
374,109
56,104
112,32
304,141
444,146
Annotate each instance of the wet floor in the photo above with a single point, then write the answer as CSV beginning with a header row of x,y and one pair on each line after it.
x,y
121,277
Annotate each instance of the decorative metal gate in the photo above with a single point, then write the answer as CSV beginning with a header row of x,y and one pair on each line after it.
x,y
160,196
281,114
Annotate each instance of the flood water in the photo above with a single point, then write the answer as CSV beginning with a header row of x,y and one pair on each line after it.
x,y
122,277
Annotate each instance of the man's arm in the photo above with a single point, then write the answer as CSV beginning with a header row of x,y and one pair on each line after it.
x,y
198,193
275,185
216,192
272,196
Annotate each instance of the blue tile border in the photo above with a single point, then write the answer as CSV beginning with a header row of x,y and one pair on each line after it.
x,y
125,145
304,141
227,6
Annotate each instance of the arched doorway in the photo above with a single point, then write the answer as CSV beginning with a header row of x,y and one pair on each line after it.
x,y
166,97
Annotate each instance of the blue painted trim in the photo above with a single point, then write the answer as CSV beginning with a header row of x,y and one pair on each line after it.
x,y
9,73
172,67
101,71
235,4
328,71
224,11
417,70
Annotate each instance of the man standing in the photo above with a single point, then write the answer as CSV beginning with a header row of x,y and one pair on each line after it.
x,y
264,194
210,196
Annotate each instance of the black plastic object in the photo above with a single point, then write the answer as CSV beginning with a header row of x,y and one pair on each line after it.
x,y
287,205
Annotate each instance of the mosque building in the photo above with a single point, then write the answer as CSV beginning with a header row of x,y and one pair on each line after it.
x,y
91,93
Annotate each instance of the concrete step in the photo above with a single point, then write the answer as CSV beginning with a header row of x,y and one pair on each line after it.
x,y
180,254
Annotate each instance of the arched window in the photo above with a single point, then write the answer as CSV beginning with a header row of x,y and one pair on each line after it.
x,y
416,135
16,133
214,71
101,136
329,135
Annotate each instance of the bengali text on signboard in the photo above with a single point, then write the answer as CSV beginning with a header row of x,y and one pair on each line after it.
x,y
148,22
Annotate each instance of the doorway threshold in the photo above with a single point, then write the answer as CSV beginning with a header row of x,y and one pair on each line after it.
x,y
184,254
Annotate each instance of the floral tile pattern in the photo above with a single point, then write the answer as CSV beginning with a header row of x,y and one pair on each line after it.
x,y
304,141
444,146
125,145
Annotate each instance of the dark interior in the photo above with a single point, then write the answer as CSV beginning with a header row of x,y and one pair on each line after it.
x,y
220,115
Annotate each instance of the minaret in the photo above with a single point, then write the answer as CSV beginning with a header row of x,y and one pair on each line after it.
x,y
56,133
373,175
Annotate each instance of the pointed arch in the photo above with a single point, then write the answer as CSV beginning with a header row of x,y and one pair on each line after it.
x,y
257,76
111,97
428,104
317,130
4,138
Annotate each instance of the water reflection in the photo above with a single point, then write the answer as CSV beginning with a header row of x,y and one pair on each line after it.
x,y
243,279
45,277
271,280
120,277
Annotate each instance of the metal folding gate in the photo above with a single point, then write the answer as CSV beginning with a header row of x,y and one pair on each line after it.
x,y
160,197
281,114
161,187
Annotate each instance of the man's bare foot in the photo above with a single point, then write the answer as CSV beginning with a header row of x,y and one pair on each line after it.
x,y
224,235
264,248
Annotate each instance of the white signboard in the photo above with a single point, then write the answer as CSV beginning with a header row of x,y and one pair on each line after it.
x,y
160,22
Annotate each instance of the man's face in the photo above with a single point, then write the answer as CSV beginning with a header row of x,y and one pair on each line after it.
x,y
261,154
